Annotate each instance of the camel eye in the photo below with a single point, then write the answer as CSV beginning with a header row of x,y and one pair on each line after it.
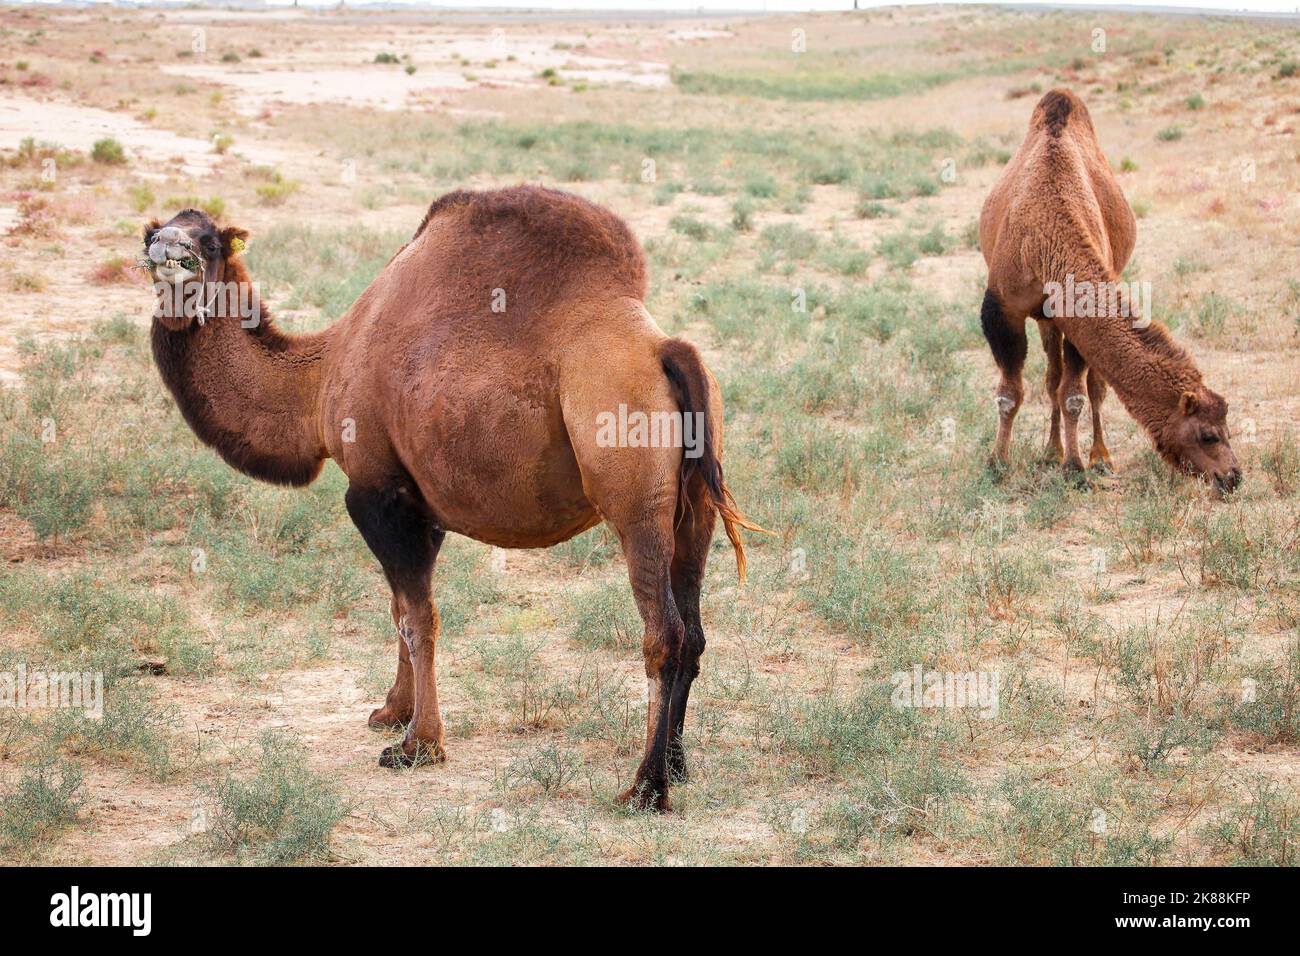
x,y
1209,438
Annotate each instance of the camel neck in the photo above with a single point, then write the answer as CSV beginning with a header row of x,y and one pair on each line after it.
x,y
252,393
1147,369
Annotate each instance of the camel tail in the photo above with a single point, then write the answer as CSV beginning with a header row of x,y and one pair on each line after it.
x,y
690,383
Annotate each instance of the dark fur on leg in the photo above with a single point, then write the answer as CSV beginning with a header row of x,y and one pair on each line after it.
x,y
399,528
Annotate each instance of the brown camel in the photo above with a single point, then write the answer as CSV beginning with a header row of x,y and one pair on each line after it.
x,y
1057,220
470,389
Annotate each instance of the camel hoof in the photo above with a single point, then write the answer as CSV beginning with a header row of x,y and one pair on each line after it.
x,y
998,468
396,757
1103,467
384,719
1076,474
646,797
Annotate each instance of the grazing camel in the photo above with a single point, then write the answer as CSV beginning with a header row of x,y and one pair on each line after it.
x,y
469,389
1057,220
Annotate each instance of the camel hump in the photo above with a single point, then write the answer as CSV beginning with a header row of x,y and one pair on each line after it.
x,y
545,232
1057,109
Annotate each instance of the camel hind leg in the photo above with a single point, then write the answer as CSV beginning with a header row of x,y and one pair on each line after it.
x,y
639,502
695,525
633,485
647,545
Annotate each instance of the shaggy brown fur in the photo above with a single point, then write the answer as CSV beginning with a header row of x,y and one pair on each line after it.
x,y
461,393
1057,213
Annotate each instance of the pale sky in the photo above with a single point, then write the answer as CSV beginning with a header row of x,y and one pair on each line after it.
x,y
1260,6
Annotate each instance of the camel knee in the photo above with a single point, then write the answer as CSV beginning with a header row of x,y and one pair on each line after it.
x,y
416,643
416,618
1074,404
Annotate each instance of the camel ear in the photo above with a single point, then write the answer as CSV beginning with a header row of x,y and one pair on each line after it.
x,y
233,241
1188,403
150,227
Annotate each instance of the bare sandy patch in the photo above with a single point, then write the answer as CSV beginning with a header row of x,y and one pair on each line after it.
x,y
80,127
430,64
376,89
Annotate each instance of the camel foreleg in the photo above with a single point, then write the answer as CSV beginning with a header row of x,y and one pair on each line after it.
x,y
1052,339
1099,456
1071,396
400,532
1007,340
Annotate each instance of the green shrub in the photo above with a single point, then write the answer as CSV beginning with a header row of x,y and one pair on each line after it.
x,y
696,229
46,798
284,813
742,215
277,191
108,151
1263,832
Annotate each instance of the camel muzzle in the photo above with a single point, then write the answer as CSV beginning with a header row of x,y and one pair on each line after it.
x,y
172,257
1228,482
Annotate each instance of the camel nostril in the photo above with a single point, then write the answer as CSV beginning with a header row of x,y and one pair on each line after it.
x,y
1229,481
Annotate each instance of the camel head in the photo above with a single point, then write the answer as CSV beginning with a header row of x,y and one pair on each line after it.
x,y
188,256
1195,439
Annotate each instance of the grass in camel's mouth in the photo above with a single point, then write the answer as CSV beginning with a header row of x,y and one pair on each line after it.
x,y
189,263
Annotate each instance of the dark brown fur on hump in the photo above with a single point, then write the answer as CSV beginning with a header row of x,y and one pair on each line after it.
x,y
1056,110
549,238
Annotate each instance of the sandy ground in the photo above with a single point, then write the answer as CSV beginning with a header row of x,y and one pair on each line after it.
x,y
439,63
80,127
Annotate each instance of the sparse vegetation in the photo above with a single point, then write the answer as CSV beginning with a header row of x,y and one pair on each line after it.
x,y
283,813
109,152
276,190
45,799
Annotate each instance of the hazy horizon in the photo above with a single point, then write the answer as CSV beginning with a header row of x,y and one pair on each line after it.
x,y
740,6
